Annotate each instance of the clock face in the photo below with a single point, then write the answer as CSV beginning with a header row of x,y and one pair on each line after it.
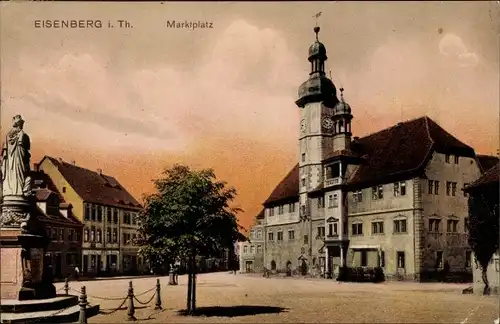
x,y
303,125
327,123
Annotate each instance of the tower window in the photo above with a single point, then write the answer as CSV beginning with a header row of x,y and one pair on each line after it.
x,y
303,157
303,182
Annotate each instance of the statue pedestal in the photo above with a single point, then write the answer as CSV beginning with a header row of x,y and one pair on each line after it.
x,y
12,244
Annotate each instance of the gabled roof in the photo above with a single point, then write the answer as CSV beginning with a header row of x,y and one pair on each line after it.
x,y
489,178
400,151
94,187
486,162
288,188
403,149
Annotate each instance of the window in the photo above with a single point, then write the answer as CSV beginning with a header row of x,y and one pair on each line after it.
x,y
134,218
115,216
468,259
126,218
306,239
271,211
291,235
382,259
447,158
439,259
364,258
92,235
378,227
335,200
125,240
245,249
64,189
452,226
53,234
453,188
360,195
303,181
280,236
448,188
456,159
99,213
335,229
98,236
436,187
71,235
303,157
378,192
291,208
400,256
108,215
115,235
330,229
93,216
270,236
466,224
280,210
108,235
431,187
61,235
330,201
321,232
357,229
259,234
434,225
87,212
252,249
303,209
321,202
86,235
400,188
400,226
259,248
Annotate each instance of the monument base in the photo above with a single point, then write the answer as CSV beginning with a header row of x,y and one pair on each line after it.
x,y
12,277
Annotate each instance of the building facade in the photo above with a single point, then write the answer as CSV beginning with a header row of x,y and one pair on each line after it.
x,y
64,252
251,252
108,212
391,199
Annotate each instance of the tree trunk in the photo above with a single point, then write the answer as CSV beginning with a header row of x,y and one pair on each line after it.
x,y
188,308
193,288
484,276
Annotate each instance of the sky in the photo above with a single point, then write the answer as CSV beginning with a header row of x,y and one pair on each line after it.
x,y
133,101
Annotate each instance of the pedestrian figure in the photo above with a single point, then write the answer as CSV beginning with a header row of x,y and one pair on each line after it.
x,y
77,272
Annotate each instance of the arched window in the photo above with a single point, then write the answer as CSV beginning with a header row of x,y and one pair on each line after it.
x,y
273,265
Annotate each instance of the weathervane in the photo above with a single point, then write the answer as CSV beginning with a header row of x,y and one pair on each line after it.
x,y
316,16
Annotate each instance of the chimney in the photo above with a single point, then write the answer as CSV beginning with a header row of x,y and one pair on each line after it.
x,y
36,167
99,171
61,160
356,138
73,162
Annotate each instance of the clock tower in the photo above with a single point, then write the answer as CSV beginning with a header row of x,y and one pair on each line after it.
x,y
317,100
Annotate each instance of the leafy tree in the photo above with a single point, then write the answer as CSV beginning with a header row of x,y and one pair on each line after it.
x,y
484,227
188,216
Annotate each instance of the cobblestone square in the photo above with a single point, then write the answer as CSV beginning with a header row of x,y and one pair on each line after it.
x,y
253,299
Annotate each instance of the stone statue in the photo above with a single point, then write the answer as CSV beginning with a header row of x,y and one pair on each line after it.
x,y
16,182
16,161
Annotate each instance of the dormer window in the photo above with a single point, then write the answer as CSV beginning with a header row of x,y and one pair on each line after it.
x,y
64,189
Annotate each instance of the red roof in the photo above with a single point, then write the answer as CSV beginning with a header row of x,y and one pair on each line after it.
x,y
487,161
288,188
95,187
490,177
395,152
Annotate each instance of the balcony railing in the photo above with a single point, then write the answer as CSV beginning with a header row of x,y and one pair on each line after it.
x,y
332,181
